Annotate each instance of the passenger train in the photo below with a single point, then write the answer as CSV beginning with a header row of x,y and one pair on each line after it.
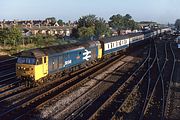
x,y
36,64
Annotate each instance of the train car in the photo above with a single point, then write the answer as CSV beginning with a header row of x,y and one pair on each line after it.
x,y
165,29
32,65
136,39
114,44
148,34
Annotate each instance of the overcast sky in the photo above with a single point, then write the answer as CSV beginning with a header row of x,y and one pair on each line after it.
x,y
162,11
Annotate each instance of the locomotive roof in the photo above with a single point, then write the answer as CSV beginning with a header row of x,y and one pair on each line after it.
x,y
40,52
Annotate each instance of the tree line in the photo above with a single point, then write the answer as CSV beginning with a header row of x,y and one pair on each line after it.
x,y
92,26
89,26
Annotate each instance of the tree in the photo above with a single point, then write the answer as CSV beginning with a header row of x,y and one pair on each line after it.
x,y
101,28
60,22
10,36
15,35
86,32
116,22
74,33
119,22
177,24
51,20
87,21
127,16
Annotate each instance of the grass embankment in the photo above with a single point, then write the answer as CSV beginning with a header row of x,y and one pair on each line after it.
x,y
10,50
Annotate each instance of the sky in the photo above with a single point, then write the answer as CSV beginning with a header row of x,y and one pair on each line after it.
x,y
161,11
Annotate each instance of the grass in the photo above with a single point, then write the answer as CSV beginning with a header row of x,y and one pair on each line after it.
x,y
10,50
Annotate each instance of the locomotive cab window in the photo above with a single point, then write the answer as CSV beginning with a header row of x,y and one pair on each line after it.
x,y
25,60
39,61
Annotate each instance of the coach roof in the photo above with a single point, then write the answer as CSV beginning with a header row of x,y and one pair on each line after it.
x,y
114,38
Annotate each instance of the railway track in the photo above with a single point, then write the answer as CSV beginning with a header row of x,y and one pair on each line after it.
x,y
18,90
22,107
7,73
170,98
155,99
145,87
154,105
87,99
113,107
7,62
138,96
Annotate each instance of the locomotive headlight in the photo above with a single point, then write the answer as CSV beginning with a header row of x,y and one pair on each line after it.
x,y
24,68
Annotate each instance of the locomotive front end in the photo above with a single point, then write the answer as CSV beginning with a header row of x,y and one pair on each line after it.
x,y
25,68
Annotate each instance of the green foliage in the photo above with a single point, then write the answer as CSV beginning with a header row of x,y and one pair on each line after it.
x,y
10,36
74,33
116,22
119,22
52,20
60,22
89,26
86,32
87,21
177,24
128,17
101,28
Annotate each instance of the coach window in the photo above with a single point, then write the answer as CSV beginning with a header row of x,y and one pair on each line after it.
x,y
111,45
108,46
125,41
122,42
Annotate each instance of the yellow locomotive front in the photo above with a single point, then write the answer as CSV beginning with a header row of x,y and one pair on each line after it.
x,y
31,67
25,68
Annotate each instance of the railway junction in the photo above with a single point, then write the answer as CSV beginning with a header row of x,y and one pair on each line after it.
x,y
142,83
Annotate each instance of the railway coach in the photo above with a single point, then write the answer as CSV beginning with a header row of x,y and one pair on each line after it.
x,y
114,44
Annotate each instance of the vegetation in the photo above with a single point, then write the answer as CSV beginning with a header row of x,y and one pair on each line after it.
x,y
10,36
101,28
52,20
119,22
12,41
88,27
177,24
60,22
91,26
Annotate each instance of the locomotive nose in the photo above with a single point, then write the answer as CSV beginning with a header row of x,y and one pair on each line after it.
x,y
24,71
